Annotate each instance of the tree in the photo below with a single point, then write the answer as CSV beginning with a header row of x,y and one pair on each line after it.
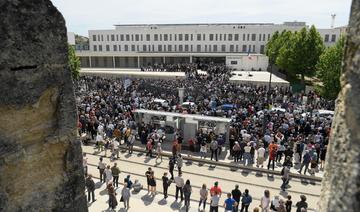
x,y
300,54
74,63
328,69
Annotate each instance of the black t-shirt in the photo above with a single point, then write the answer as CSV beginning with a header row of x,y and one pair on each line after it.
x,y
236,193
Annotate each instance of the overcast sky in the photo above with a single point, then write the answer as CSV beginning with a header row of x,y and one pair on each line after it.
x,y
84,15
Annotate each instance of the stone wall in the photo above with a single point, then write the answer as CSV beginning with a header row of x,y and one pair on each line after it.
x,y
40,156
341,183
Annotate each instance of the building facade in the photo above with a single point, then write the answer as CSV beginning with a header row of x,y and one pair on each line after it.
x,y
241,46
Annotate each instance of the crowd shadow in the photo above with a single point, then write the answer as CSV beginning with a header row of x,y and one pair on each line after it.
x,y
147,199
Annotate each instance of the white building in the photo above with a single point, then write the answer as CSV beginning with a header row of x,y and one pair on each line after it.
x,y
239,45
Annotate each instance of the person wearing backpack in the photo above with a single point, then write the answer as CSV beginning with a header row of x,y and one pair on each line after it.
x,y
214,148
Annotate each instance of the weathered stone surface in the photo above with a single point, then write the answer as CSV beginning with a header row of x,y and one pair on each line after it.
x,y
341,184
40,157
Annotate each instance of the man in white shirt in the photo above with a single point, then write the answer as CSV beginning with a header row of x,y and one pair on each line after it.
x,y
116,148
260,156
179,182
214,202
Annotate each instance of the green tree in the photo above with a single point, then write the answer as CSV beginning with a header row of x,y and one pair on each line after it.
x,y
74,63
328,69
300,54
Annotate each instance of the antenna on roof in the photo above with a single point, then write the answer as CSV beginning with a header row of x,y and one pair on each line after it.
x,y
332,20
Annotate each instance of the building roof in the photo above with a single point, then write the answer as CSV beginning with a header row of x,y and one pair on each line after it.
x,y
192,24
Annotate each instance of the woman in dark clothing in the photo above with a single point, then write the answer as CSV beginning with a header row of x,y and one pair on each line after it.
x,y
322,156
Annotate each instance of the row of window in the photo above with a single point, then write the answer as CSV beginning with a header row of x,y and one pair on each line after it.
x,y
181,48
183,37
327,38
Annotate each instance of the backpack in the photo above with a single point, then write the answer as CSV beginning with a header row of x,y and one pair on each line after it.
x,y
213,145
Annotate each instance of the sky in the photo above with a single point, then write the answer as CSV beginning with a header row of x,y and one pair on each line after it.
x,y
84,15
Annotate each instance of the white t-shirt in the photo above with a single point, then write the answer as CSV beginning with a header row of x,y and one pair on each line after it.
x,y
261,152
116,144
215,200
179,181
265,202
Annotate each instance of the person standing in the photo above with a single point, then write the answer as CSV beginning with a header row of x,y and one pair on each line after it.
x,y
236,193
229,203
171,167
187,193
159,151
203,196
166,182
213,148
148,174
90,186
265,202
285,177
272,155
108,174
84,160
179,182
247,154
260,156
116,144
245,201
125,196
101,167
179,162
216,189
112,195
301,204
115,171
130,144
214,202
306,161
152,183
236,151
288,204
203,150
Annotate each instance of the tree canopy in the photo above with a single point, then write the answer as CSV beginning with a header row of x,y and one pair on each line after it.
x,y
328,69
74,63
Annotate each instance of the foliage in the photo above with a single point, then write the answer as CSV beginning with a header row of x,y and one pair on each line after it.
x,y
74,63
328,69
296,53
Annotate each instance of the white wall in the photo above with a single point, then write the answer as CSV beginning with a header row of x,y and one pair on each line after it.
x,y
247,62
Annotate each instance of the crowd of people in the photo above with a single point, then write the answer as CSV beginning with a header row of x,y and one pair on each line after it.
x,y
273,125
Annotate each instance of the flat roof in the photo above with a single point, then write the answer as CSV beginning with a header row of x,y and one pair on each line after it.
x,y
192,24
195,117
256,76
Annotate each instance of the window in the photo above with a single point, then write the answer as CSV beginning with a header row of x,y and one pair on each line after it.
x,y
259,37
137,37
233,62
132,37
170,37
211,37
254,48
191,37
333,38
94,37
156,37
186,48
206,48
165,37
198,48
137,47
191,49
186,37
220,37
164,48
248,37
122,37
144,48
268,37
253,37
175,48
95,48
249,48
203,36
209,48
224,36
175,37
107,37
236,37
180,38
223,48
119,48
100,48
160,48
98,38
230,37
326,38
198,37
126,48
112,37
169,48
262,49
215,48
153,48
127,37
263,37
160,37
231,48
141,37
147,37
244,48
114,48
244,37
237,48
216,37
133,48
180,48
117,37
102,37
